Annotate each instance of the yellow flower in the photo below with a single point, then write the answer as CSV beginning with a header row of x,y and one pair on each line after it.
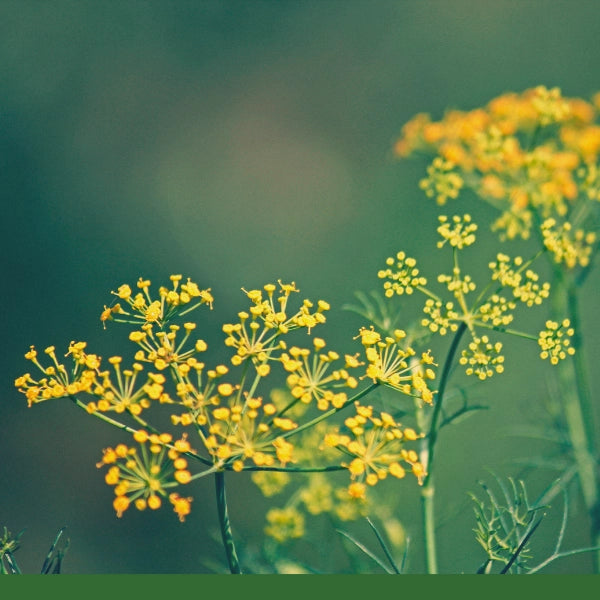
x,y
285,524
170,303
142,479
573,248
482,358
270,482
529,155
376,448
122,394
243,430
181,506
318,495
392,365
555,341
57,381
404,278
459,232
316,379
442,181
441,317
550,105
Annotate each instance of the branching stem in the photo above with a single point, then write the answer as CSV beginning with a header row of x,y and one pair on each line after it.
x,y
428,489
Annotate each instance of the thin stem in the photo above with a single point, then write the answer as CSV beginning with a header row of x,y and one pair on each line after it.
x,y
226,534
103,417
428,489
326,469
437,409
581,377
574,393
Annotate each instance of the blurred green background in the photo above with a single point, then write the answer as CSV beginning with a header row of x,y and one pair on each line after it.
x,y
237,142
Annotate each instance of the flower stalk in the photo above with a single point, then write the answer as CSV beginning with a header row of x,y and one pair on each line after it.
x,y
225,525
427,457
574,393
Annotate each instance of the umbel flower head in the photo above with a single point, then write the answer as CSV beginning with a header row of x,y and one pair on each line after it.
x,y
285,524
395,365
143,308
555,341
118,392
482,358
115,390
240,428
57,381
532,156
375,449
236,427
512,281
459,231
257,335
143,477
403,275
316,379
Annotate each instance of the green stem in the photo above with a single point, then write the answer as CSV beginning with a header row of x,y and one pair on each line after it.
x,y
574,393
102,416
437,409
326,469
428,489
226,534
580,371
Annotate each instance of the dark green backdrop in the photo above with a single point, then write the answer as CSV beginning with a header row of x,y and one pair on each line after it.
x,y
236,142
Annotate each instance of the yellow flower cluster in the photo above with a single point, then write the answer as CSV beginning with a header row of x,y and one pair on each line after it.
x,y
57,381
118,391
555,341
442,182
123,396
568,246
161,348
489,310
550,106
253,338
482,358
441,316
376,447
531,155
523,281
236,432
405,279
391,364
459,286
270,483
285,524
143,478
319,495
233,425
178,300
459,231
497,311
313,380
236,428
